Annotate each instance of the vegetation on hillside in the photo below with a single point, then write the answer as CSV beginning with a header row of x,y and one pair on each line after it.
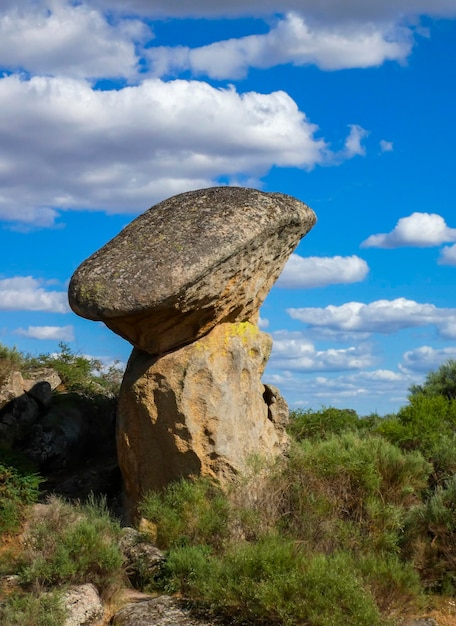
x,y
356,526
78,373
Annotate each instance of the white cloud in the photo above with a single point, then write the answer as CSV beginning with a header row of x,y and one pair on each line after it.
x,y
374,388
25,293
426,358
381,316
263,323
292,351
75,40
328,10
418,229
64,145
292,40
56,333
448,255
386,146
306,272
353,143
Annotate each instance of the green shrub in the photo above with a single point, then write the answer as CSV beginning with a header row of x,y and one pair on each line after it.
x,y
79,373
321,424
349,491
394,584
188,511
10,359
431,538
441,382
274,581
73,545
421,424
19,609
19,486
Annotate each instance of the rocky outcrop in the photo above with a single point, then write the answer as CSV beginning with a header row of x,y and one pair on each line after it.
x,y
183,283
70,438
23,398
199,411
37,384
189,263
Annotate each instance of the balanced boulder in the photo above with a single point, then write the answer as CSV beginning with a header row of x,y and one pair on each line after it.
x,y
184,283
189,263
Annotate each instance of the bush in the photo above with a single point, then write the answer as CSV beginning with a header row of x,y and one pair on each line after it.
x,y
431,538
10,359
420,424
274,581
441,382
321,424
21,609
188,511
73,545
79,373
19,486
349,491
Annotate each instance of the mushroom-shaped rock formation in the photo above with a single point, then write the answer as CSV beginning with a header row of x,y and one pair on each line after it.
x,y
189,263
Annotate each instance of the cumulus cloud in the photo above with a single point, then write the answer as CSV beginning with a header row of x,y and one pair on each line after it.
x,y
328,10
292,40
362,388
65,145
448,255
25,293
306,272
293,351
381,316
58,37
418,229
56,333
426,358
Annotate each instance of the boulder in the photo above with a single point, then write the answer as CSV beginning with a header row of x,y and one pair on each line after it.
x,y
83,605
198,411
189,263
161,611
38,384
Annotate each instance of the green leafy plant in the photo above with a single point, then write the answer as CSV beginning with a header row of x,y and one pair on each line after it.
x,y
73,545
439,382
431,538
79,373
188,511
19,486
321,424
10,359
273,581
21,609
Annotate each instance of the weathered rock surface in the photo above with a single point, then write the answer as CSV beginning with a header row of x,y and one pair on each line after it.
x,y
199,411
83,605
162,611
38,385
189,263
142,558
22,401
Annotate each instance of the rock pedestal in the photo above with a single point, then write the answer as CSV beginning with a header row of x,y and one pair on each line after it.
x,y
198,411
183,284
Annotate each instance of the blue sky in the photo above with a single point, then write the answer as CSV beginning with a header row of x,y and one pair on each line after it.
x,y
109,106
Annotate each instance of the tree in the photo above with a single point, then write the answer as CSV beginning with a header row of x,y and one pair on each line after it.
x,y
441,382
